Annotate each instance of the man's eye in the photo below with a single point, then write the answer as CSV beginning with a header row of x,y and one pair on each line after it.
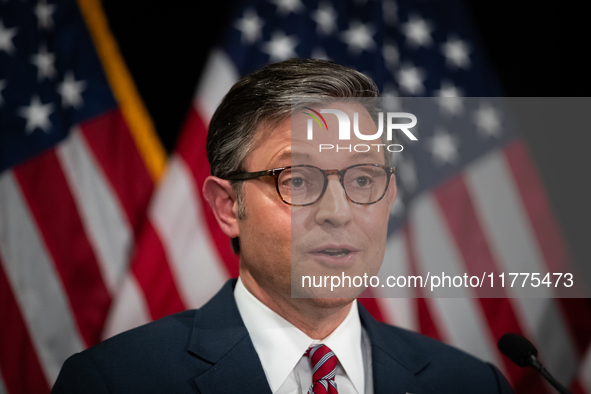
x,y
297,182
294,183
362,181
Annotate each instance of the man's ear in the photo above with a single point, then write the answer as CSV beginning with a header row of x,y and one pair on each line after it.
x,y
220,196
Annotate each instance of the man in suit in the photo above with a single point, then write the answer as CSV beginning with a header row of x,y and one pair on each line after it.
x,y
289,212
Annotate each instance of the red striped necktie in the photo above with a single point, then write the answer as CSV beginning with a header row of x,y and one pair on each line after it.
x,y
324,364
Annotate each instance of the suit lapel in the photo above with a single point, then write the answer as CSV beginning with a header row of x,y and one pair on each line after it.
x,y
396,365
238,371
220,338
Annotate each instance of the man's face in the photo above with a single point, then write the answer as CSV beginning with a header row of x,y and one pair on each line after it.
x,y
332,236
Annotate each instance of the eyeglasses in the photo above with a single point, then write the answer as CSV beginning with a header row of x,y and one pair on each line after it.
x,y
303,185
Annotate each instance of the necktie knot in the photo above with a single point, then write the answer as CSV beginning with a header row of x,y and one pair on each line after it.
x,y
324,364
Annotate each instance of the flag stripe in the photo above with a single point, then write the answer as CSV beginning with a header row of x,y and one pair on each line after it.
x,y
185,235
400,309
121,83
550,241
19,366
3,386
129,309
577,312
152,271
436,252
46,191
425,318
109,139
500,208
33,277
218,76
192,150
458,210
102,216
456,204
370,303
544,227
577,388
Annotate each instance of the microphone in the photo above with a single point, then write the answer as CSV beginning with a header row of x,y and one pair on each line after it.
x,y
523,353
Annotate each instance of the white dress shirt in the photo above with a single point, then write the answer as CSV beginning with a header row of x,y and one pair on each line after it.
x,y
281,347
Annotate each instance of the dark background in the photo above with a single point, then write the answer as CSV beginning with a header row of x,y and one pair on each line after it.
x,y
538,49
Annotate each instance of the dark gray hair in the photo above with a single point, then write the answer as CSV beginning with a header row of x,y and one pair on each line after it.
x,y
265,97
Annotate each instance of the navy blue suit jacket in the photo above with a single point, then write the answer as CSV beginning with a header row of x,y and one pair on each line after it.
x,y
209,351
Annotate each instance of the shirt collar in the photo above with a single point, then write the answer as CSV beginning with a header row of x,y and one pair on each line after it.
x,y
269,332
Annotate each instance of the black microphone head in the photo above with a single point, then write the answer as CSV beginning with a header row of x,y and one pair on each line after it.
x,y
517,348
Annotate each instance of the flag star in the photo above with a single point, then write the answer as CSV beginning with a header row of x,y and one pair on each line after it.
x,y
444,147
389,90
2,87
319,53
37,115
390,12
487,119
44,13
418,32
391,56
390,98
250,26
359,37
326,19
45,63
285,7
456,53
281,47
449,99
411,79
71,91
6,36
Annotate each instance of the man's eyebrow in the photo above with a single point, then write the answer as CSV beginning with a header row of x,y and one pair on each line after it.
x,y
291,155
365,155
301,157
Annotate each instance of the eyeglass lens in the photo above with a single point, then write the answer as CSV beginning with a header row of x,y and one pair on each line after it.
x,y
304,185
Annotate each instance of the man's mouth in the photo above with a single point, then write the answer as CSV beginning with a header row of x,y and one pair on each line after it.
x,y
335,252
333,255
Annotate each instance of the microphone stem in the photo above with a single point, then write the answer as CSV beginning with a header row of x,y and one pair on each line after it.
x,y
555,383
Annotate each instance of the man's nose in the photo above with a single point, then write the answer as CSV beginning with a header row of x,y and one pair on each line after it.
x,y
334,207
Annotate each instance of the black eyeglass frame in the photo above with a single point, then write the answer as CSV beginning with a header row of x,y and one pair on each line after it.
x,y
244,176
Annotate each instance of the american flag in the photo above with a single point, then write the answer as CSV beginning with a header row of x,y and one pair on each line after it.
x,y
78,163
90,231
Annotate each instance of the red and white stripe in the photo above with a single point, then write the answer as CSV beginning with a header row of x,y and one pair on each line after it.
x,y
30,273
102,216
182,257
484,218
67,223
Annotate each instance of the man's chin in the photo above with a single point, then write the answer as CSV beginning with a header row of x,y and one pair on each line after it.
x,y
325,294
329,303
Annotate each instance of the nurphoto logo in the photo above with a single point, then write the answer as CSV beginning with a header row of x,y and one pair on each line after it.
x,y
345,129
